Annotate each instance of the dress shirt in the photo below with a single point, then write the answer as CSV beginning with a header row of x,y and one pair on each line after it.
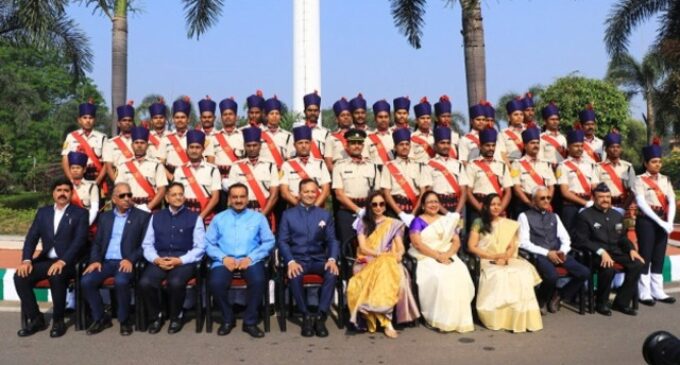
x,y
239,235
113,251
525,240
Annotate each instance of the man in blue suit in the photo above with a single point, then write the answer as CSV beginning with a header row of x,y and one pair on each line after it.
x,y
116,248
62,228
307,245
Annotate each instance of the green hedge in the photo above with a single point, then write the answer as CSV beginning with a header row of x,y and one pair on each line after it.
x,y
15,221
26,200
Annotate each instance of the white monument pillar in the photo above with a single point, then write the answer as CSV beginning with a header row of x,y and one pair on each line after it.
x,y
306,51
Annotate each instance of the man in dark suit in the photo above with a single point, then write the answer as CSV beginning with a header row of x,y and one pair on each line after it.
x,y
600,230
116,248
307,245
62,228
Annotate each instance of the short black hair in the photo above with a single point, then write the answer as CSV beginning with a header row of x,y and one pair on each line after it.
x,y
173,184
307,181
237,185
61,181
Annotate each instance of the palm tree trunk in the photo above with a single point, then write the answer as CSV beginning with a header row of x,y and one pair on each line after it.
x,y
119,60
475,59
651,125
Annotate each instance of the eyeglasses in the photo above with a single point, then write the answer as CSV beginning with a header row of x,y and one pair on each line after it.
x,y
124,195
547,197
378,204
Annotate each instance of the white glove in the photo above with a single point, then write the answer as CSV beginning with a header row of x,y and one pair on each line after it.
x,y
668,226
355,224
406,218
589,204
620,210
226,183
361,213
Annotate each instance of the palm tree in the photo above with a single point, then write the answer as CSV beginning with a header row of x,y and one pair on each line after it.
x,y
408,18
643,78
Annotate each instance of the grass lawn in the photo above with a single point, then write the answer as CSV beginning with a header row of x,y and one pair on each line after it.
x,y
15,221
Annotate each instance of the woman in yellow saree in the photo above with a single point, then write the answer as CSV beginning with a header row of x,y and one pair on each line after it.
x,y
380,282
505,299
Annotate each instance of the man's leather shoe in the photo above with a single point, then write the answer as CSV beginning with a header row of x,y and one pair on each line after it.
x,y
320,327
175,326
35,325
156,326
554,304
624,309
544,311
647,302
98,326
667,300
125,328
307,326
225,329
253,331
603,309
58,329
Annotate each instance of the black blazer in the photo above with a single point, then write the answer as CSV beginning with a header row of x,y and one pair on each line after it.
x,y
596,229
67,242
130,243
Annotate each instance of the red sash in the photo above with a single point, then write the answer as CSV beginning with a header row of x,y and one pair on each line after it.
x,y
253,184
123,148
226,147
274,149
555,144
581,178
341,137
515,139
154,140
663,200
316,152
493,179
589,150
401,180
423,143
382,152
447,174
178,148
141,181
193,184
75,198
612,174
534,175
88,150
453,153
473,138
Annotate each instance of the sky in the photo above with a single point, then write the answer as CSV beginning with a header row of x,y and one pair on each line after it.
x,y
528,42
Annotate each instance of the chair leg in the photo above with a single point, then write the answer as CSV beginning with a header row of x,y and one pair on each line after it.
x,y
281,305
265,310
341,305
208,311
581,300
591,295
199,307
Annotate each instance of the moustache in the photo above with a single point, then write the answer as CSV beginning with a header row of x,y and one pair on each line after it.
x,y
61,196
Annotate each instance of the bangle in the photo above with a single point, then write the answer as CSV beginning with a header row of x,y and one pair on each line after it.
x,y
26,262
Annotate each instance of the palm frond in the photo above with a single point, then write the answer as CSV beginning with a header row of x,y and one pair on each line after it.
x,y
668,40
624,71
37,15
408,18
625,16
200,15
66,37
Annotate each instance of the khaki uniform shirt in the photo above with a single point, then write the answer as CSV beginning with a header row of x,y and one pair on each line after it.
x,y
623,169
415,173
440,184
567,176
357,178
315,168
479,181
265,173
522,177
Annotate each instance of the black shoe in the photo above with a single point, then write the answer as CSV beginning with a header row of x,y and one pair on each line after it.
x,y
554,303
544,311
58,329
320,327
175,326
647,302
98,326
253,331
34,325
307,326
603,309
667,300
624,309
225,329
125,328
156,326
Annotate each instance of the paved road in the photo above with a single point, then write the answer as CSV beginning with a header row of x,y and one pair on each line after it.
x,y
567,339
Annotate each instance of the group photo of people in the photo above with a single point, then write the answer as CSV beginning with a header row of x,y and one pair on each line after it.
x,y
375,229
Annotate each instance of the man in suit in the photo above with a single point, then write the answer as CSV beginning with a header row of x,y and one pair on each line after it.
x,y
116,248
172,245
600,229
307,245
62,228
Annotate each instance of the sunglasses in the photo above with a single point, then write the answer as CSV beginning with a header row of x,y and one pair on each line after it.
x,y
355,142
378,204
124,195
548,197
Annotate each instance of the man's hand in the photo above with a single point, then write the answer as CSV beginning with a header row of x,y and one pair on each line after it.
x,y
607,261
230,263
95,266
332,266
244,263
554,257
125,266
24,269
294,269
634,255
55,268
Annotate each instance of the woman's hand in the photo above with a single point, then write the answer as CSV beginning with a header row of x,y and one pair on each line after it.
x,y
502,261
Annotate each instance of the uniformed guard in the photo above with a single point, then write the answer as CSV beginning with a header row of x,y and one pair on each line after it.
x,y
119,148
530,171
442,110
422,139
228,142
449,178
336,145
255,105
401,106
528,108
487,175
553,143
261,177
510,139
403,180
379,143
490,113
354,179
357,107
655,199
576,177
302,167
592,146
206,110
85,192
88,141
618,174
312,103
158,113
145,175
201,179
278,141
468,147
